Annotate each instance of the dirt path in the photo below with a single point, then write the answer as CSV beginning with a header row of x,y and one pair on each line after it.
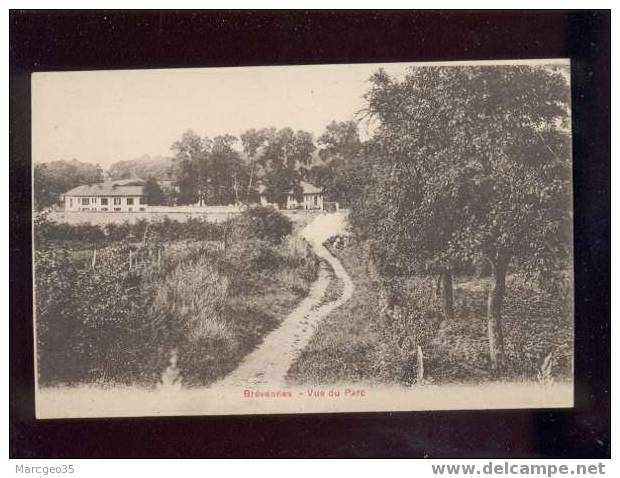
x,y
268,364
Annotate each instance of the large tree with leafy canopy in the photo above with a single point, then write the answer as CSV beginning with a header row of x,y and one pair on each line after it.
x,y
340,152
191,168
153,194
51,180
254,142
209,171
227,171
476,164
283,153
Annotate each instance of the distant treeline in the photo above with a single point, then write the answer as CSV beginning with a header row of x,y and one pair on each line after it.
x,y
226,169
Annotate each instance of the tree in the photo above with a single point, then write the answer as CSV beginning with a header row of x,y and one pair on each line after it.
x,y
253,142
190,163
340,153
153,194
55,178
209,171
143,167
227,171
283,153
478,164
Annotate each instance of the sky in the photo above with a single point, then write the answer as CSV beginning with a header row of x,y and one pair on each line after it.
x,y
108,116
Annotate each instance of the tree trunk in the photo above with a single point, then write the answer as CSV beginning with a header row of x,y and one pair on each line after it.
x,y
420,369
447,295
247,194
494,315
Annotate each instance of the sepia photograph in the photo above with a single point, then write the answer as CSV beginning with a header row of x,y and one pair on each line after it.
x,y
357,237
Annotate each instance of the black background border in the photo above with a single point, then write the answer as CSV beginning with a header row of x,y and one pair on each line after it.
x,y
90,40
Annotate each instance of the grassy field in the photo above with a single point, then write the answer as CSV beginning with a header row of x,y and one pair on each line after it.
x,y
102,321
357,342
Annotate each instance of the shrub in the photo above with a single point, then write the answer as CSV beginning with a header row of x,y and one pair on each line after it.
x,y
164,230
92,323
110,324
412,321
265,223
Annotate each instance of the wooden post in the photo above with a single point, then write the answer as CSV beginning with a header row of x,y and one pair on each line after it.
x,y
494,316
420,370
144,236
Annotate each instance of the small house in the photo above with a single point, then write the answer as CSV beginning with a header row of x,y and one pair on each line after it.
x,y
122,195
312,197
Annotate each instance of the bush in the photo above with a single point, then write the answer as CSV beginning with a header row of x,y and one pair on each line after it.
x,y
264,223
165,230
92,324
413,321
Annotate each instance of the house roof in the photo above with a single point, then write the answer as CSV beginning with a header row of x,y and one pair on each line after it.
x,y
307,188
119,187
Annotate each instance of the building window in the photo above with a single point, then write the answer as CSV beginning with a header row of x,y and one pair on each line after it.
x,y
316,200
130,201
85,201
130,209
117,202
104,209
70,202
142,209
117,209
141,201
104,201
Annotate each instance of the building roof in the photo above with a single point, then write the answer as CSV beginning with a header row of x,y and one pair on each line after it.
x,y
118,187
307,188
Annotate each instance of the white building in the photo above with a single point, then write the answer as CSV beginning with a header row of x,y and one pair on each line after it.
x,y
122,195
312,197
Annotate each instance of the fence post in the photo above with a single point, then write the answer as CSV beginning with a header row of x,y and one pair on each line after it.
x,y
94,261
420,370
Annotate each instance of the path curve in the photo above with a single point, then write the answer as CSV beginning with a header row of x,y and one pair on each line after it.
x,y
269,363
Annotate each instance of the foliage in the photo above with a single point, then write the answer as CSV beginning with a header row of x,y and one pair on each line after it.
x,y
476,162
340,174
91,324
264,223
209,171
51,180
144,167
190,163
153,194
284,151
228,172
412,322
469,162
360,342
164,230
254,142
100,322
